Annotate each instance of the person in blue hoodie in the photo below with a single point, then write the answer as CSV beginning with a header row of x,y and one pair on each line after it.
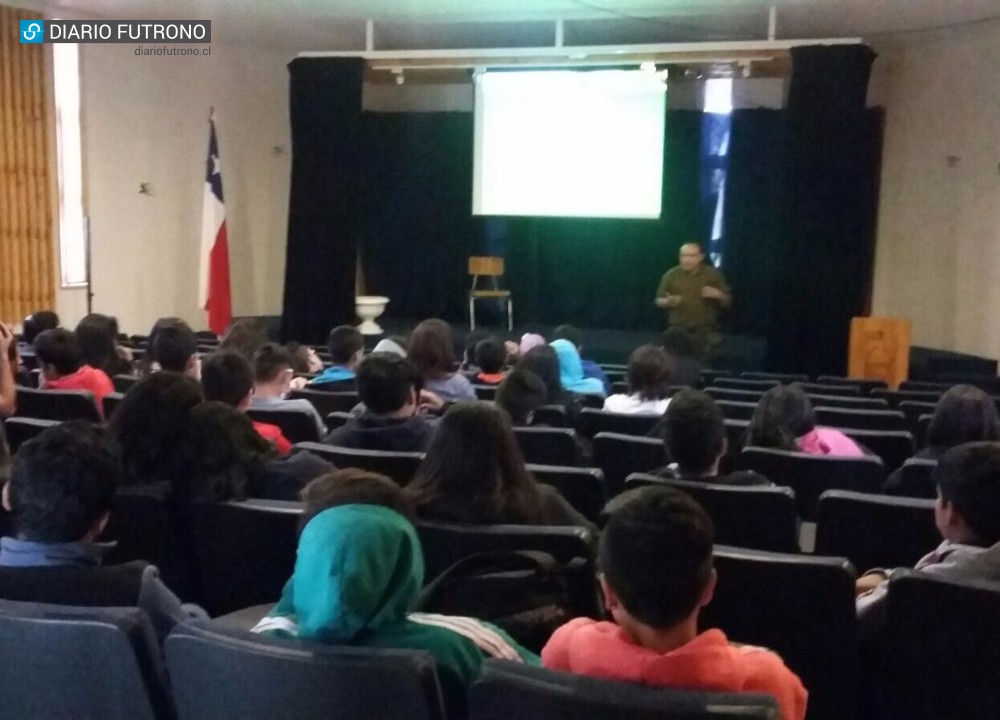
x,y
571,370
590,368
347,348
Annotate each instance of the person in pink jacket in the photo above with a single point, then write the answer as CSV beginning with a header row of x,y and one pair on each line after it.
x,y
656,553
784,419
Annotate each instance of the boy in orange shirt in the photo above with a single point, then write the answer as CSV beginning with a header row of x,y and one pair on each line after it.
x,y
656,556
62,366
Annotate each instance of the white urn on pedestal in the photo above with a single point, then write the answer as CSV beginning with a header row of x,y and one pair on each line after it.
x,y
368,308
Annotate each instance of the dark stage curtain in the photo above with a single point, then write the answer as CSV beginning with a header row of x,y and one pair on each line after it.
x,y
324,215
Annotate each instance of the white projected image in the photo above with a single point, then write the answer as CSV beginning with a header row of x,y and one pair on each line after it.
x,y
569,144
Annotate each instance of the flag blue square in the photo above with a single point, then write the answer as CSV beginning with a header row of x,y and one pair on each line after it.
x,y
32,31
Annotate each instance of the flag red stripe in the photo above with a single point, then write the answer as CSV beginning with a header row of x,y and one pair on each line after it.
x,y
219,305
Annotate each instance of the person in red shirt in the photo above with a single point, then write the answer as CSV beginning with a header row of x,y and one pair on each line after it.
x,y
62,366
226,376
656,556
491,356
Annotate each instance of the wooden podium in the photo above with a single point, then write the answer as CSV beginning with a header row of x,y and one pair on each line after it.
x,y
880,349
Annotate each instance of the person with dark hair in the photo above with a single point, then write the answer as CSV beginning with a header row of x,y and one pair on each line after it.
x,y
97,336
173,346
347,348
655,557
964,413
272,381
648,379
352,486
543,362
520,394
60,497
784,419
967,514
63,368
432,354
305,361
590,368
491,356
694,294
245,337
474,473
469,366
226,376
685,365
35,324
388,388
571,370
694,437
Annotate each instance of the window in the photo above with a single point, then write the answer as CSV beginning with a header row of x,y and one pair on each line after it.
x,y
72,236
715,131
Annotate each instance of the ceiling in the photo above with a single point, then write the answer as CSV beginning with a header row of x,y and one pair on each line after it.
x,y
339,24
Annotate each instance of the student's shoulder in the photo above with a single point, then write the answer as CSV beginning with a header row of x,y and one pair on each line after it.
x,y
765,671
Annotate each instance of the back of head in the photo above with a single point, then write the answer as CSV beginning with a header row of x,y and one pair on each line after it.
x,y
63,482
270,362
344,343
649,373
96,335
656,554
474,471
471,340
384,382
151,423
432,349
299,355
172,343
520,394
352,486
542,361
571,333
679,343
694,432
783,414
226,376
491,355
226,454
963,414
59,349
245,337
37,323
968,477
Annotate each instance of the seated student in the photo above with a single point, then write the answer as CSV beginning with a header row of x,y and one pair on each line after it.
x,y
967,515
432,354
272,380
226,376
347,347
474,473
648,384
33,326
520,394
172,346
469,366
963,414
685,365
97,336
694,437
784,419
358,572
391,420
656,560
245,337
491,356
304,359
590,368
63,369
571,371
60,496
543,362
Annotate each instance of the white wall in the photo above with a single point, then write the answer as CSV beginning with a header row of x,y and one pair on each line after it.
x,y
938,251
145,121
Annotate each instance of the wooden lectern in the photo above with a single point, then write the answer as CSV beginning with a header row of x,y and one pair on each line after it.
x,y
880,349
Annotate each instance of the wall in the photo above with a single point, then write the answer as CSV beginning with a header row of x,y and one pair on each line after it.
x,y
938,251
145,121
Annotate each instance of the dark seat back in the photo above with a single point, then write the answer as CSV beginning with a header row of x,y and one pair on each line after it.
x,y
895,397
583,488
913,410
124,383
327,401
942,658
220,672
485,392
893,446
802,607
848,402
111,402
923,386
592,401
737,410
835,389
71,662
917,479
875,531
57,404
296,425
733,395
757,517
811,475
399,466
551,415
592,421
335,420
783,378
865,385
861,419
708,377
510,690
547,446
20,430
761,386
619,456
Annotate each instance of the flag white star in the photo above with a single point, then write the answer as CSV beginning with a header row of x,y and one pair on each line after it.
x,y
215,165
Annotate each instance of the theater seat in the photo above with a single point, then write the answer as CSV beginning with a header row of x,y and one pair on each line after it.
x,y
399,466
72,662
592,421
894,447
57,404
548,446
124,383
507,691
583,488
551,415
621,455
835,390
296,425
327,401
20,430
760,386
916,480
861,419
111,402
737,410
866,386
783,378
227,673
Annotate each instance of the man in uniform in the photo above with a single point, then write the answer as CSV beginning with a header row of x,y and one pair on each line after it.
x,y
693,293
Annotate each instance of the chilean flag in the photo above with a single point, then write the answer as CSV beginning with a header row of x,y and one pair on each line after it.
x,y
213,287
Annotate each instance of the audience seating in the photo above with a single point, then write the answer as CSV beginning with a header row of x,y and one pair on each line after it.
x,y
942,657
875,530
800,606
220,672
583,488
326,401
296,425
783,378
917,479
591,401
245,551
621,455
548,446
619,387
20,430
73,662
923,426
848,402
810,475
731,395
111,402
124,383
913,410
895,397
894,446
835,390
551,416
335,420
922,386
485,392
507,690
736,435
861,419
758,517
761,386
57,404
593,421
737,410
400,466
866,385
